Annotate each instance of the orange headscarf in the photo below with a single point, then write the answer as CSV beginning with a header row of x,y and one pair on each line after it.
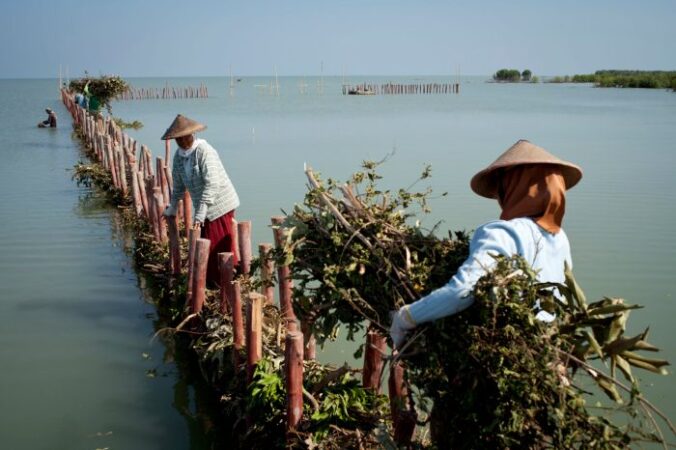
x,y
537,191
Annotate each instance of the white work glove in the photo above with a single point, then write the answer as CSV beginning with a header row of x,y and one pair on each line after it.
x,y
402,324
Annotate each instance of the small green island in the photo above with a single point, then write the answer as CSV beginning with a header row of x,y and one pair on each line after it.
x,y
647,79
514,76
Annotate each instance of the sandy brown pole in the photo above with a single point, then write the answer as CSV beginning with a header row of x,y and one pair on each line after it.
x,y
162,178
142,193
244,238
136,194
293,358
187,211
310,347
159,214
254,333
123,170
376,346
235,242
403,415
199,281
284,279
111,162
167,150
152,208
267,269
237,321
170,180
192,242
226,271
174,245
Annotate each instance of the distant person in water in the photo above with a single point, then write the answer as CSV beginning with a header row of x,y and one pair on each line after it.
x,y
50,121
198,168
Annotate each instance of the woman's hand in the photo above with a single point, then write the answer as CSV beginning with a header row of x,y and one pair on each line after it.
x,y
402,324
197,226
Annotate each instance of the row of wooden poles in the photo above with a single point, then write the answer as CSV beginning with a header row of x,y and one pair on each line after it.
x,y
395,88
150,187
167,92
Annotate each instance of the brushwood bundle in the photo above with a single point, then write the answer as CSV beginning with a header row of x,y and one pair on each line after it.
x,y
357,258
493,376
104,88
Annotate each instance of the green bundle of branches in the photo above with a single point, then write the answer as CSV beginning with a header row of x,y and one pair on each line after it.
x,y
497,377
105,88
504,379
356,259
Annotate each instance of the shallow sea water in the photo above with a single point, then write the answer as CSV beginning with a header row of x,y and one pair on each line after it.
x,y
75,324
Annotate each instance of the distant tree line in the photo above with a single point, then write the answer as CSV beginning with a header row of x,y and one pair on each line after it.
x,y
514,76
649,79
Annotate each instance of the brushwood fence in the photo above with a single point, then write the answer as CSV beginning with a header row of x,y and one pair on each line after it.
x,y
149,186
401,89
164,93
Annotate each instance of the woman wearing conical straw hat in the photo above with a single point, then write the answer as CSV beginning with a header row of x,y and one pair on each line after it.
x,y
198,168
530,185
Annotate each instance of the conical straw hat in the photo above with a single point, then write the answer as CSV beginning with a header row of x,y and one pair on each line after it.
x,y
485,183
182,126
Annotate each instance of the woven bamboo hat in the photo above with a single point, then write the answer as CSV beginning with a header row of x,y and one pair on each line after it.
x,y
485,182
182,126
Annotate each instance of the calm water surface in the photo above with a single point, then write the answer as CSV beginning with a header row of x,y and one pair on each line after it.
x,y
75,324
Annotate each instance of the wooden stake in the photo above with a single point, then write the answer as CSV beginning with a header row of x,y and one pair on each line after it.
x,y
159,214
267,268
187,212
199,282
237,321
192,243
293,357
254,333
244,238
284,280
403,415
376,347
142,193
226,270
174,245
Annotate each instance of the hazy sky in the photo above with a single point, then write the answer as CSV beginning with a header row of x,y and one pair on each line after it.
x,y
175,38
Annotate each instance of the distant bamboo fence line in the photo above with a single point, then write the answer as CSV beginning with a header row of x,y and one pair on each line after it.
x,y
397,88
167,92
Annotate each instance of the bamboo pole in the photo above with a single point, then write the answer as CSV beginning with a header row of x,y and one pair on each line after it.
x,y
162,178
187,212
199,281
123,170
284,279
244,239
254,333
159,214
237,322
136,193
226,269
142,193
174,245
376,347
192,244
310,347
403,415
293,357
267,269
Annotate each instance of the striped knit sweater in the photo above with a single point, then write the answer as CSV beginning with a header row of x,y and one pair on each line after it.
x,y
210,187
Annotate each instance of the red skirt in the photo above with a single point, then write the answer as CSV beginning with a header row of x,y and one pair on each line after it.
x,y
220,233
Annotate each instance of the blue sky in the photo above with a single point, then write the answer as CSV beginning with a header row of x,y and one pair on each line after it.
x,y
189,38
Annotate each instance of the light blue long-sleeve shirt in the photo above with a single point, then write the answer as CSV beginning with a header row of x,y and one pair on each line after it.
x,y
546,252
